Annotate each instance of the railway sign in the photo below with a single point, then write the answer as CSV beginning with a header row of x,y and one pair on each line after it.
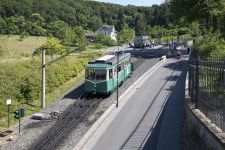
x,y
8,101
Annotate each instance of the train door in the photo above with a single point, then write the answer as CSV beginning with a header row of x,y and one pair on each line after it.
x,y
126,68
115,77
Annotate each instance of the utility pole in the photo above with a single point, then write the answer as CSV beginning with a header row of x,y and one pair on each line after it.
x,y
43,80
117,90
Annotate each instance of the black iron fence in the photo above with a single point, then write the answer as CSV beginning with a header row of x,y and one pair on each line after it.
x,y
207,87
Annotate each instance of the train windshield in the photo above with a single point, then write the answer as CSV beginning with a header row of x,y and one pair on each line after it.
x,y
100,74
92,74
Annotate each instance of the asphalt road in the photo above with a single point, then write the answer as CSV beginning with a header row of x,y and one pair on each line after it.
x,y
152,118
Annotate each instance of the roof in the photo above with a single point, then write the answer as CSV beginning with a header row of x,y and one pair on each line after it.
x,y
108,60
105,58
108,27
90,34
99,65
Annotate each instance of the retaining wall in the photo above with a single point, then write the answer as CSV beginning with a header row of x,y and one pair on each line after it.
x,y
199,132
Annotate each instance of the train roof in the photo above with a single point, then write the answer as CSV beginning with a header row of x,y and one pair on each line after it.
x,y
107,60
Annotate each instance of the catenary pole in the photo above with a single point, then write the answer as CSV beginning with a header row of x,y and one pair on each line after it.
x,y
43,80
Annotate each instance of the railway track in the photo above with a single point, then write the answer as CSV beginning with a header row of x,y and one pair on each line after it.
x,y
69,120
138,62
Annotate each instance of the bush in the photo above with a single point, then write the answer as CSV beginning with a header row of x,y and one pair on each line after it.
x,y
21,81
210,45
105,40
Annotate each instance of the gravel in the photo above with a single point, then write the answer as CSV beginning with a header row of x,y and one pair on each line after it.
x,y
33,129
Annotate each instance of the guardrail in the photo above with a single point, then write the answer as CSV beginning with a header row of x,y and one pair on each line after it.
x,y
207,88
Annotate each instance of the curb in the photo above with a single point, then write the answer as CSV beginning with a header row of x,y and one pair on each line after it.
x,y
98,124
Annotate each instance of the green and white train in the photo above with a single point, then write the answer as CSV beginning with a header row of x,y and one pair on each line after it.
x,y
101,74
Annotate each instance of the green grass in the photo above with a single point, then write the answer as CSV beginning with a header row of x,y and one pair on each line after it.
x,y
17,51
13,47
36,105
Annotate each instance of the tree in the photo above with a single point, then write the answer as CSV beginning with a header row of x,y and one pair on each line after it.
x,y
79,38
37,19
2,26
94,23
140,25
105,40
52,47
58,29
126,35
121,21
205,11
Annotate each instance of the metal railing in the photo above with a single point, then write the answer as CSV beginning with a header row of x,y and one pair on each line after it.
x,y
207,87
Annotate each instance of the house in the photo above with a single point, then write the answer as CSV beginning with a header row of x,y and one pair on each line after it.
x,y
108,30
90,36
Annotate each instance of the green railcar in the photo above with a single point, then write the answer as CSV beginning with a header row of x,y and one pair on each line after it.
x,y
101,74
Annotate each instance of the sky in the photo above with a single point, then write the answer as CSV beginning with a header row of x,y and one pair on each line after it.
x,y
134,2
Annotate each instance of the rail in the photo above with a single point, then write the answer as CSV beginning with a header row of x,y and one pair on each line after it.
x,y
69,120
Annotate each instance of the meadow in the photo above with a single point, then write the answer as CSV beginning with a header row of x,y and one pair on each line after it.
x,y
20,75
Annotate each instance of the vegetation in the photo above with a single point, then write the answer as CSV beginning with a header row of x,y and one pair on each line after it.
x,y
59,25
13,47
58,17
52,47
20,80
206,18
126,35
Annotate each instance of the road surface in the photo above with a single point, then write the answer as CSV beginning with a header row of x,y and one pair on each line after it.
x,y
151,119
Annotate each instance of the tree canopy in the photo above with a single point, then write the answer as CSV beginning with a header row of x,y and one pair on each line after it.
x,y
39,15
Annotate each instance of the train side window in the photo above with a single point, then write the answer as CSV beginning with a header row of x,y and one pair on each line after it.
x,y
122,65
110,73
115,71
119,68
126,63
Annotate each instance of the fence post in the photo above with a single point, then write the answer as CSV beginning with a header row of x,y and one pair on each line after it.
x,y
197,82
223,119
189,78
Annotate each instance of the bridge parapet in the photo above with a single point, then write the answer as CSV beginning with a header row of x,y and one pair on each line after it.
x,y
200,133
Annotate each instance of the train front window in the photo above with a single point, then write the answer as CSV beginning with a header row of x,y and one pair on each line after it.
x,y
100,74
90,74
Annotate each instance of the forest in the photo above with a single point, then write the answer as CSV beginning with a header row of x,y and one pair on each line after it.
x,y
41,17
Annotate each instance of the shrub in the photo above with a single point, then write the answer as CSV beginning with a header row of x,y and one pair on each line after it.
x,y
105,40
21,81
210,45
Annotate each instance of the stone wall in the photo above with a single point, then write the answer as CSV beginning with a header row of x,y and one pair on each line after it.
x,y
198,131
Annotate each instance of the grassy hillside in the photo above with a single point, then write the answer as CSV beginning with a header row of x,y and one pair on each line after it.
x,y
13,47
